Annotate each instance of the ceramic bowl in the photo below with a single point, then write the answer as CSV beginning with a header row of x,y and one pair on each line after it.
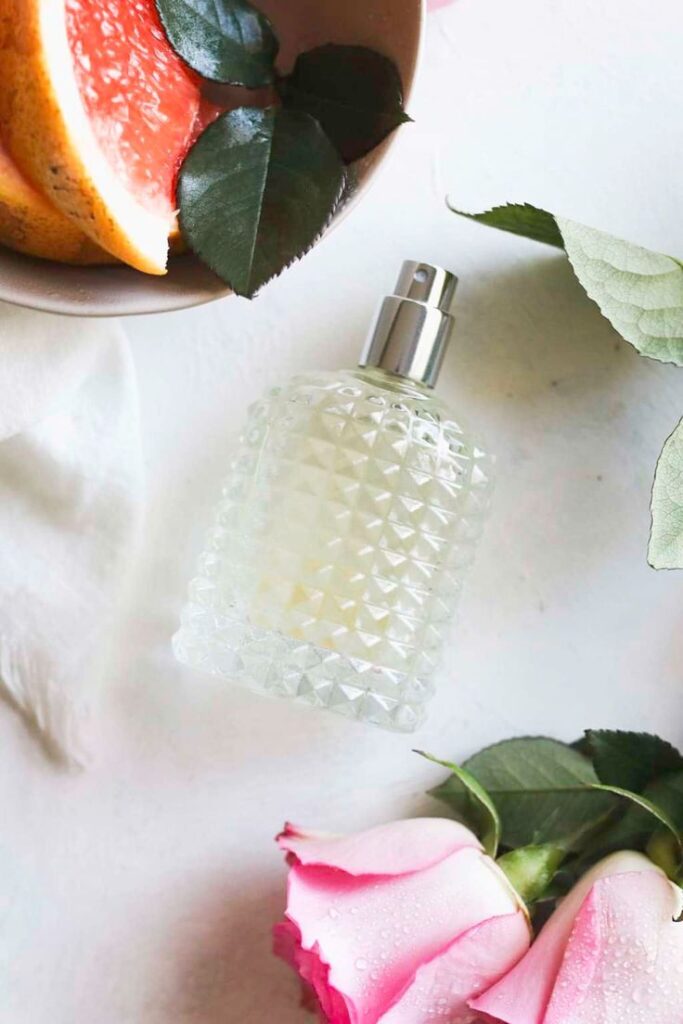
x,y
393,27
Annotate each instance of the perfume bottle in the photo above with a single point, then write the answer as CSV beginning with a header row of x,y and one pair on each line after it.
x,y
350,514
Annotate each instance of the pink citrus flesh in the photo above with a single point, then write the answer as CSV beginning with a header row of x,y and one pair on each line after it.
x,y
142,100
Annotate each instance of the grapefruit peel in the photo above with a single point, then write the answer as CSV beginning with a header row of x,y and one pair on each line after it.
x,y
48,131
31,225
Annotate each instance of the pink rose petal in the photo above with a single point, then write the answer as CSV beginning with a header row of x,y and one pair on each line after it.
x,y
432,5
313,972
571,975
624,960
286,942
376,933
287,945
393,849
471,964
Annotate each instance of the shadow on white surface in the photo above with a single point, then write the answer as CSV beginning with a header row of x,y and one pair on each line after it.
x,y
224,970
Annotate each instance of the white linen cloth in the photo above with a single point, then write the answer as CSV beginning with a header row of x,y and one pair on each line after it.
x,y
70,510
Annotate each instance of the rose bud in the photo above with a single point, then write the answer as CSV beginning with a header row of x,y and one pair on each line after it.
x,y
612,953
401,924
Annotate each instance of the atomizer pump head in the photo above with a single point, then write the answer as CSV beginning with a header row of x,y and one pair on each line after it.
x,y
413,326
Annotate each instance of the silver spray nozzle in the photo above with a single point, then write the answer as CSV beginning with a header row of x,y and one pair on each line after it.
x,y
413,325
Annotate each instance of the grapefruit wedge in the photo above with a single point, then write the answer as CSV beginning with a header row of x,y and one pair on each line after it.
x,y
30,224
98,111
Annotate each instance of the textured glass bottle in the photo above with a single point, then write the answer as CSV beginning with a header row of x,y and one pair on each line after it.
x,y
350,514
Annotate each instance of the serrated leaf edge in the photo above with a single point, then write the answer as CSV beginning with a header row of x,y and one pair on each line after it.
x,y
342,196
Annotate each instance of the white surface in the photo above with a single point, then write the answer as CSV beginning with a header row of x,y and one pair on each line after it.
x,y
143,891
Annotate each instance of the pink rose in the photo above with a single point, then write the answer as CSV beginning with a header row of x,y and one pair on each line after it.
x,y
433,4
402,924
611,954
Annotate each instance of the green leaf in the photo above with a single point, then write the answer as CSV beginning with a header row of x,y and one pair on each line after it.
x,y
639,291
355,93
635,829
666,536
667,793
481,812
256,191
224,40
541,788
531,869
664,850
520,219
631,760
650,808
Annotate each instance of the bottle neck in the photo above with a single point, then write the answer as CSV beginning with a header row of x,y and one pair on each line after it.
x,y
389,381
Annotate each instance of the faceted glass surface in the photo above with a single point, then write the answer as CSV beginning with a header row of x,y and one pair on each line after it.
x,y
350,514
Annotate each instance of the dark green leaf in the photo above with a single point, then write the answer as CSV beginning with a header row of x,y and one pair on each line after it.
x,y
520,219
482,815
541,788
631,760
531,869
635,828
355,93
642,803
667,793
582,745
256,191
631,831
224,40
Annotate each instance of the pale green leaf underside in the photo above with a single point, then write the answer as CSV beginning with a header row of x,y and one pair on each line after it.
x,y
666,538
639,291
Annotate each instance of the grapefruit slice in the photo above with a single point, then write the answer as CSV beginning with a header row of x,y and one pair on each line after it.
x,y
30,224
99,112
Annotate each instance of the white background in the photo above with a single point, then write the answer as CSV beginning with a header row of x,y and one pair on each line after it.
x,y
142,892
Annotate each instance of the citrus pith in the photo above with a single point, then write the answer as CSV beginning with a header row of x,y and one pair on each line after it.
x,y
98,111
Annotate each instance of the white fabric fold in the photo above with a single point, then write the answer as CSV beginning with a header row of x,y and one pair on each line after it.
x,y
71,497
